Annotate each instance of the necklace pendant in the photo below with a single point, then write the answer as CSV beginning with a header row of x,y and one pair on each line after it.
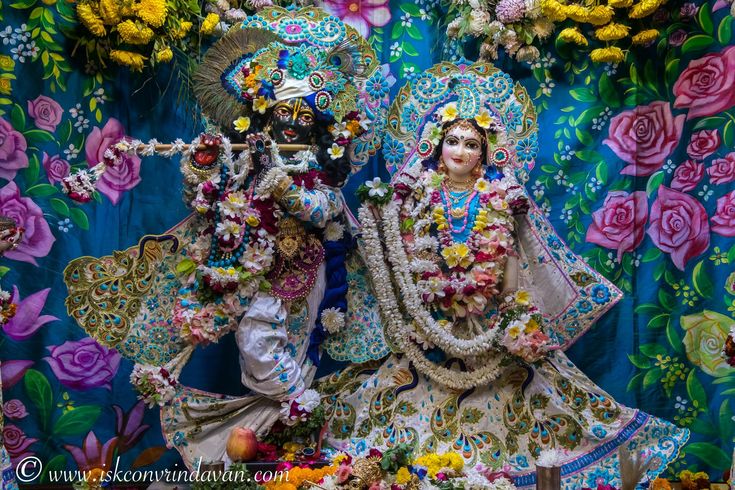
x,y
457,212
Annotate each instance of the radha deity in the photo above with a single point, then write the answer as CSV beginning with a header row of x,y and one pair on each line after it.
x,y
480,297
266,226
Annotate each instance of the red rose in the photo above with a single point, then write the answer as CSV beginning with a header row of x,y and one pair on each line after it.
x,y
678,225
707,86
687,176
703,143
644,137
723,221
620,223
722,170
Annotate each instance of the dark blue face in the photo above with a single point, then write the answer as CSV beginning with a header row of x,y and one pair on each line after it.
x,y
292,121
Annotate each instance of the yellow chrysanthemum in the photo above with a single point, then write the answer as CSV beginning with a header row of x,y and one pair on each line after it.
x,y
456,462
612,32
5,87
403,476
600,15
553,10
164,55
607,55
6,63
91,21
209,23
128,58
127,8
644,9
182,31
645,37
110,12
620,3
577,12
573,35
132,33
152,12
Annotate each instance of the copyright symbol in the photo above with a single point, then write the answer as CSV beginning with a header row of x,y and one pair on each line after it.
x,y
28,469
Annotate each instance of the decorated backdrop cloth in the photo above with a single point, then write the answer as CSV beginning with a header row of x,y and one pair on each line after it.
x,y
636,171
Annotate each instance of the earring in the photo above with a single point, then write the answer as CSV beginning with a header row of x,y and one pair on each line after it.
x,y
477,171
500,156
442,166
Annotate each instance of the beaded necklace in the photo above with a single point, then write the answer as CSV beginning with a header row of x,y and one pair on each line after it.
x,y
463,211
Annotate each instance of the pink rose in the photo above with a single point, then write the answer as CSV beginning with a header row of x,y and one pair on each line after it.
x,y
707,86
16,442
722,170
121,177
644,137
37,239
677,37
703,143
56,168
723,222
687,176
14,409
620,223
678,225
12,151
45,112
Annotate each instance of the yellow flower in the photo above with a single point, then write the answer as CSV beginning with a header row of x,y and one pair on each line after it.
x,y
644,8
456,462
109,11
132,33
260,105
514,331
607,55
165,55
209,23
182,31
242,124
523,297
620,3
457,255
600,15
577,12
336,151
89,18
128,58
5,87
483,119
645,37
449,112
482,185
612,32
553,10
531,326
573,35
252,220
152,12
353,127
6,63
403,476
339,458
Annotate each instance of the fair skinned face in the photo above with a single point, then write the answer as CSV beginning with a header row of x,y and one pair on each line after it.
x,y
461,152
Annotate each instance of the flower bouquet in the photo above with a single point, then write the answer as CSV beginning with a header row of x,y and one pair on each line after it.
x,y
520,322
155,385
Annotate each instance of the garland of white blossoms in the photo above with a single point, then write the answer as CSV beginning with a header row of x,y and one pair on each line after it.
x,y
397,329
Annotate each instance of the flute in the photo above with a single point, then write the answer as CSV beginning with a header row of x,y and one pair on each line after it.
x,y
235,147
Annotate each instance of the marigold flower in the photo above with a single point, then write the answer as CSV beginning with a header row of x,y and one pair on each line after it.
x,y
403,476
620,3
644,9
109,11
607,55
660,484
600,15
573,35
645,37
128,58
152,12
209,23
164,55
612,32
553,10
91,21
577,13
132,33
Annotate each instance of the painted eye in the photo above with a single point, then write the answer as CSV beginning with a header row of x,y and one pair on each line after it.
x,y
306,117
282,111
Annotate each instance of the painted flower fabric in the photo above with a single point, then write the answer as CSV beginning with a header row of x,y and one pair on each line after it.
x,y
83,364
706,86
360,14
620,223
45,112
37,239
13,147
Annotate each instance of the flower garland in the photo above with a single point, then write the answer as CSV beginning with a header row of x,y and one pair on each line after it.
x,y
155,384
728,351
7,307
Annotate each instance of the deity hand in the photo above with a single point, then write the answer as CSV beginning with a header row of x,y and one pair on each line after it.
x,y
259,144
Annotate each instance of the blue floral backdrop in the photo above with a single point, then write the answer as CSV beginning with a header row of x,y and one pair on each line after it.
x,y
636,171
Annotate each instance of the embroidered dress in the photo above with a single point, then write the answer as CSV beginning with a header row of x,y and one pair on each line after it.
x,y
438,258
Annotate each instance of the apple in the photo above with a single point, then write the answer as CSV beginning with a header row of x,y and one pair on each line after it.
x,y
242,445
